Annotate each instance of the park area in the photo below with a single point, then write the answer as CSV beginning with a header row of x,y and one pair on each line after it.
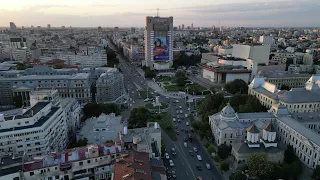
x,y
166,124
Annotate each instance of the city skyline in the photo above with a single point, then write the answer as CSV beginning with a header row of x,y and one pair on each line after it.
x,y
274,13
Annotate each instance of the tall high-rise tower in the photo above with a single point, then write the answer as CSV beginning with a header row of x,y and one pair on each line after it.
x,y
49,26
192,26
158,37
13,27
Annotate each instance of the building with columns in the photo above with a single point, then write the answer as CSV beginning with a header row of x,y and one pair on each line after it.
x,y
269,133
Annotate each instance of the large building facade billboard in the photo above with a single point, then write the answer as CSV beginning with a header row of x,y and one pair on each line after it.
x,y
161,48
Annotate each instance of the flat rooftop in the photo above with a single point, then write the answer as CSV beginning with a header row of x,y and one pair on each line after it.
x,y
29,113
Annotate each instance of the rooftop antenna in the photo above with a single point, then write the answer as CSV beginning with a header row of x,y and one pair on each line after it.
x,y
157,12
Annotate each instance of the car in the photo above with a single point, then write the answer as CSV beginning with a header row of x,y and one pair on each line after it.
x,y
173,174
198,167
176,126
171,163
174,116
177,132
174,119
179,121
177,101
173,152
177,112
185,139
180,107
182,129
187,123
166,155
191,129
167,97
191,153
195,149
181,112
178,116
208,166
186,131
185,144
199,157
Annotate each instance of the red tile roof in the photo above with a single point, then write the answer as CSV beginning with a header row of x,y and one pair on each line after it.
x,y
136,166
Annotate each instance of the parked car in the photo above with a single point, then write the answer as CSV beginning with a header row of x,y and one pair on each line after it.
x,y
173,174
171,163
166,155
177,132
185,139
187,123
199,157
185,144
208,166
174,119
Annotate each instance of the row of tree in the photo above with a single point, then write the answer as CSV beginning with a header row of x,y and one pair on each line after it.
x,y
186,60
148,73
95,109
112,57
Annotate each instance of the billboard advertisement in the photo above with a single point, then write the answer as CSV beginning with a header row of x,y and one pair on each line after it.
x,y
161,48
135,53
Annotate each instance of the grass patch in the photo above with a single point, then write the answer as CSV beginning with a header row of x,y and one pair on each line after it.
x,y
166,124
197,89
163,106
143,94
173,88
163,78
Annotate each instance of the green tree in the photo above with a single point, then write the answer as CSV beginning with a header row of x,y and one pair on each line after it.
x,y
224,151
237,175
20,66
139,117
210,149
180,78
235,86
289,155
252,104
95,109
316,173
259,166
210,104
17,101
80,143
224,166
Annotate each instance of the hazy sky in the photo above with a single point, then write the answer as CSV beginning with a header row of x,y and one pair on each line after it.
x,y
127,13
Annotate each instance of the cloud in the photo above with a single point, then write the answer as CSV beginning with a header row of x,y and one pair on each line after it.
x,y
280,13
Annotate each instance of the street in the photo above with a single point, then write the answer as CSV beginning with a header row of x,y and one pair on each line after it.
x,y
184,164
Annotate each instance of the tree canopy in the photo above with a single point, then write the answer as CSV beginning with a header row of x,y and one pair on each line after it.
x,y
237,85
17,101
185,60
259,166
112,57
95,109
237,175
80,143
224,151
139,117
316,173
285,87
148,73
180,78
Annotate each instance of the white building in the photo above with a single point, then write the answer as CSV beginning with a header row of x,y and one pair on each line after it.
x,y
19,54
100,129
306,99
223,69
267,40
158,37
38,131
258,53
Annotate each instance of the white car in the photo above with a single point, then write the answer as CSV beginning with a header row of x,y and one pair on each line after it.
x,y
180,107
181,112
199,157
177,101
167,97
171,163
174,119
167,155
187,123
195,149
208,166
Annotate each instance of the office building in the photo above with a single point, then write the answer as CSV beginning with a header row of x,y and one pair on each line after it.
x,y
182,26
305,99
49,26
110,87
267,40
37,131
257,52
13,27
18,42
192,26
158,37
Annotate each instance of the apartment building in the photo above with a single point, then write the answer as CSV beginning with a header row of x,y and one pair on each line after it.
x,y
305,99
37,131
110,87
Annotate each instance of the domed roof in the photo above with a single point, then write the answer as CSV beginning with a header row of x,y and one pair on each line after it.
x,y
228,111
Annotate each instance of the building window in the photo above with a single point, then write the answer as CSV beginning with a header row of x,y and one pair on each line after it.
x,y
31,173
80,163
88,161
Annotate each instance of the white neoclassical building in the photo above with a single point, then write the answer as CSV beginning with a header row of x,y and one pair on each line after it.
x,y
268,132
305,99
